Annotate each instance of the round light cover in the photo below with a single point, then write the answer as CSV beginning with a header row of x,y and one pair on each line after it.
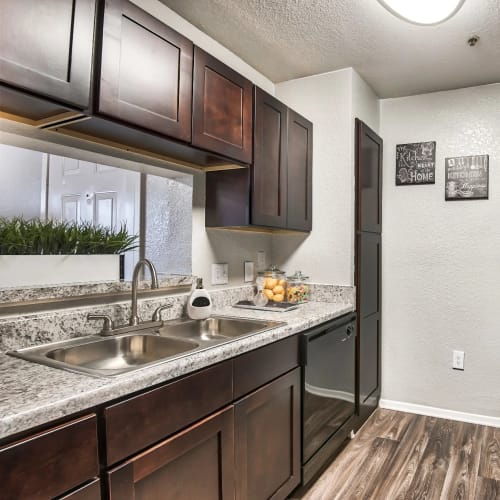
x,y
424,12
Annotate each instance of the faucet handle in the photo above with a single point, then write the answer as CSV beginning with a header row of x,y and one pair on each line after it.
x,y
108,325
157,313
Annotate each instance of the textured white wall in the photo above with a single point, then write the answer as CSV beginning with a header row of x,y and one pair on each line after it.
x,y
218,246
331,101
441,260
365,103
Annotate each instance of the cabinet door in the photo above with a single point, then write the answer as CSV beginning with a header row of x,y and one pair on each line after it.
x,y
146,71
269,180
51,462
369,258
267,440
46,47
299,154
197,463
222,109
368,272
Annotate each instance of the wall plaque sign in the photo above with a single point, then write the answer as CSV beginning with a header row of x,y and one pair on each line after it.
x,y
467,177
416,163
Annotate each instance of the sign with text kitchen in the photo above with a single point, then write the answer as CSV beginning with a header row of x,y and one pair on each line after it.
x,y
467,177
416,163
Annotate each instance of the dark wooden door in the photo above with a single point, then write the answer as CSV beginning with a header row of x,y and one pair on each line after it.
x,y
146,72
46,48
222,109
197,463
267,440
299,172
269,179
368,273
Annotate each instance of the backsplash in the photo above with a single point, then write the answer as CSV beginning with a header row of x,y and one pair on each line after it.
x,y
39,328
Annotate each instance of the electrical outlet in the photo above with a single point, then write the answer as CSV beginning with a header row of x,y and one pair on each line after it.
x,y
220,274
458,360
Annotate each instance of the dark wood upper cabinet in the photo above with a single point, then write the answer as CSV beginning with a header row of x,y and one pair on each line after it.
x,y
222,109
269,171
197,463
299,173
369,155
46,48
276,192
146,72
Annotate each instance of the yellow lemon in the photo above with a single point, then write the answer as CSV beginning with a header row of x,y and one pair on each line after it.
x,y
271,283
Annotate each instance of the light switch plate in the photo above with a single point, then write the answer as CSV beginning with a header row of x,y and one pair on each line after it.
x,y
261,261
249,268
220,274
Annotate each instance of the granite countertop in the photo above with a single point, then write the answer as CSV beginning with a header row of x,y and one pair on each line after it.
x,y
33,394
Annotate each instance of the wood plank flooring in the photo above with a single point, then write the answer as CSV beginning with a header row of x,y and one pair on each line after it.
x,y
402,456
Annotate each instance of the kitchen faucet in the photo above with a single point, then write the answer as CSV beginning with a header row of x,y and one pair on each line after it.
x,y
133,323
134,318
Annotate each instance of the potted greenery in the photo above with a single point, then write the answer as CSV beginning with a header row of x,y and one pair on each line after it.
x,y
36,252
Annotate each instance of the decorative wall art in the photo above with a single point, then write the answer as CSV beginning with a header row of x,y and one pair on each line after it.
x,y
416,163
467,178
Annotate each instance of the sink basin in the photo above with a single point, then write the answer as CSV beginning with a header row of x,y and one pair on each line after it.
x,y
119,354
108,355
122,353
215,328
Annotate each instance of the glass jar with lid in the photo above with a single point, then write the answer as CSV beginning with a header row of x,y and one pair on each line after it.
x,y
274,284
298,289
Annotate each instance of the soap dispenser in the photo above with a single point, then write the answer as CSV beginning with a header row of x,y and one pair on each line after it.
x,y
199,304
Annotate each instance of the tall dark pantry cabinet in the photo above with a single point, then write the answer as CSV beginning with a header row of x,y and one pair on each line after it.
x,y
368,268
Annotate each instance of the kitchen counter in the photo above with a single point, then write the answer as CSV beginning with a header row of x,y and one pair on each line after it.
x,y
33,394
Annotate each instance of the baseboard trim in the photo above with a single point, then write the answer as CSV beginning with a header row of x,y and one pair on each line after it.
x,y
432,411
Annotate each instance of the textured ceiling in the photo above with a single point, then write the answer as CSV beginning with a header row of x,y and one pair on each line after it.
x,y
286,39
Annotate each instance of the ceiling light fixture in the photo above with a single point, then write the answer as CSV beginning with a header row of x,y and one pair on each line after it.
x,y
423,12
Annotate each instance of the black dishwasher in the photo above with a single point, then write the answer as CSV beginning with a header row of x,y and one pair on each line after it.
x,y
328,391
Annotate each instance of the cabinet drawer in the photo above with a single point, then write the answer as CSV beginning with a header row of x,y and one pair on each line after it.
x,y
256,368
196,463
136,423
52,462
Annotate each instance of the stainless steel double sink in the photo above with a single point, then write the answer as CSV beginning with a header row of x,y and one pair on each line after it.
x,y
117,354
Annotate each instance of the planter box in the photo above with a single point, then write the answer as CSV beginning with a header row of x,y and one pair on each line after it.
x,y
28,270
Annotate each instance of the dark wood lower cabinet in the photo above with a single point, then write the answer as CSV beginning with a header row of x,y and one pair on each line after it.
x,y
231,430
267,440
194,464
91,491
50,463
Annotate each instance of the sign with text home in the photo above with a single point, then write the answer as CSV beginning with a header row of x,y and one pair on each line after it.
x,y
416,163
467,177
